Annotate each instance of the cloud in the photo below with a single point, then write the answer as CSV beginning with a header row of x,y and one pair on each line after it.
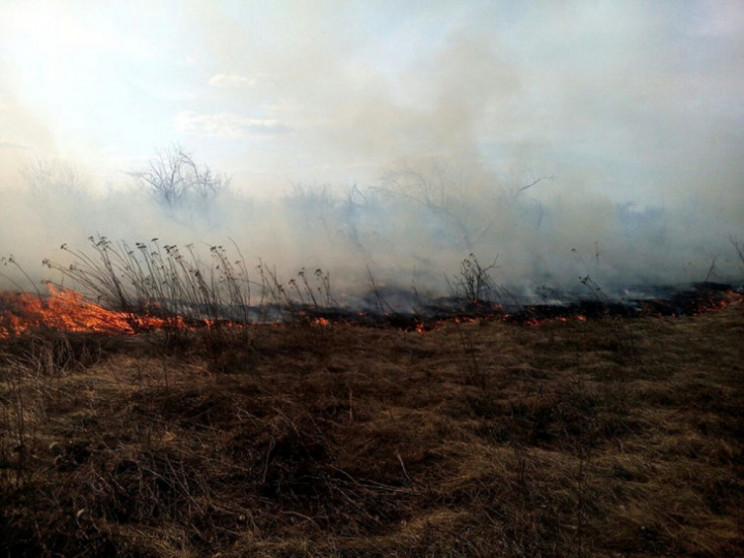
x,y
232,81
227,125
13,145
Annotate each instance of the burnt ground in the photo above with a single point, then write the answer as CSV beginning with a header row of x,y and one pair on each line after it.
x,y
609,436
671,301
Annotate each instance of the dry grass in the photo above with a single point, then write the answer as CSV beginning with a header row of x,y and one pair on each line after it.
x,y
600,438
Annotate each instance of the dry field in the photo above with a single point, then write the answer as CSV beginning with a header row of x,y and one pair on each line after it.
x,y
606,437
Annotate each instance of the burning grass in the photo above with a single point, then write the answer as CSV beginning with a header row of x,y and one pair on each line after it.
x,y
603,437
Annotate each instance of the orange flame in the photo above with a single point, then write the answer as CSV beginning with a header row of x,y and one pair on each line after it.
x,y
534,322
66,310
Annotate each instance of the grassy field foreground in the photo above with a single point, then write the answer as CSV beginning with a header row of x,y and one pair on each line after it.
x,y
611,437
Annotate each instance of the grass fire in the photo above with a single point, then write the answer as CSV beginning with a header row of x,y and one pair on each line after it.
x,y
362,279
166,413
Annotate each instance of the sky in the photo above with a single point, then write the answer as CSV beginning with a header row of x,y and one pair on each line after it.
x,y
624,102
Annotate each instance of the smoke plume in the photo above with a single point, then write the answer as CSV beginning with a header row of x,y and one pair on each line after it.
x,y
560,141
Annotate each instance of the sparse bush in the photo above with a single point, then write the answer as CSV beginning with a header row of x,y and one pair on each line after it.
x,y
174,178
475,282
55,179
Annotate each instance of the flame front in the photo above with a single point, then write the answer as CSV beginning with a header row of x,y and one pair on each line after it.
x,y
65,309
68,310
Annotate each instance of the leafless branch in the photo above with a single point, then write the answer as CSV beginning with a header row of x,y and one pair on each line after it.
x,y
535,183
174,178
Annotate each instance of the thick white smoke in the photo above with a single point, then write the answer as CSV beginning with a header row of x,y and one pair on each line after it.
x,y
561,139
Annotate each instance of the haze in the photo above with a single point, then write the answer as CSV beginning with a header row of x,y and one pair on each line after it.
x,y
626,116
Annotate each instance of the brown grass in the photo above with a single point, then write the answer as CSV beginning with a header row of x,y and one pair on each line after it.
x,y
604,438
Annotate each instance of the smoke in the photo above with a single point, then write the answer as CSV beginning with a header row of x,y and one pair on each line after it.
x,y
560,140
411,230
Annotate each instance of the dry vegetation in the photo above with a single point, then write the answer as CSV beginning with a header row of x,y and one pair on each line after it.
x,y
611,437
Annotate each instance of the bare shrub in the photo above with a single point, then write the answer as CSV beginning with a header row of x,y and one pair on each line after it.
x,y
174,178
